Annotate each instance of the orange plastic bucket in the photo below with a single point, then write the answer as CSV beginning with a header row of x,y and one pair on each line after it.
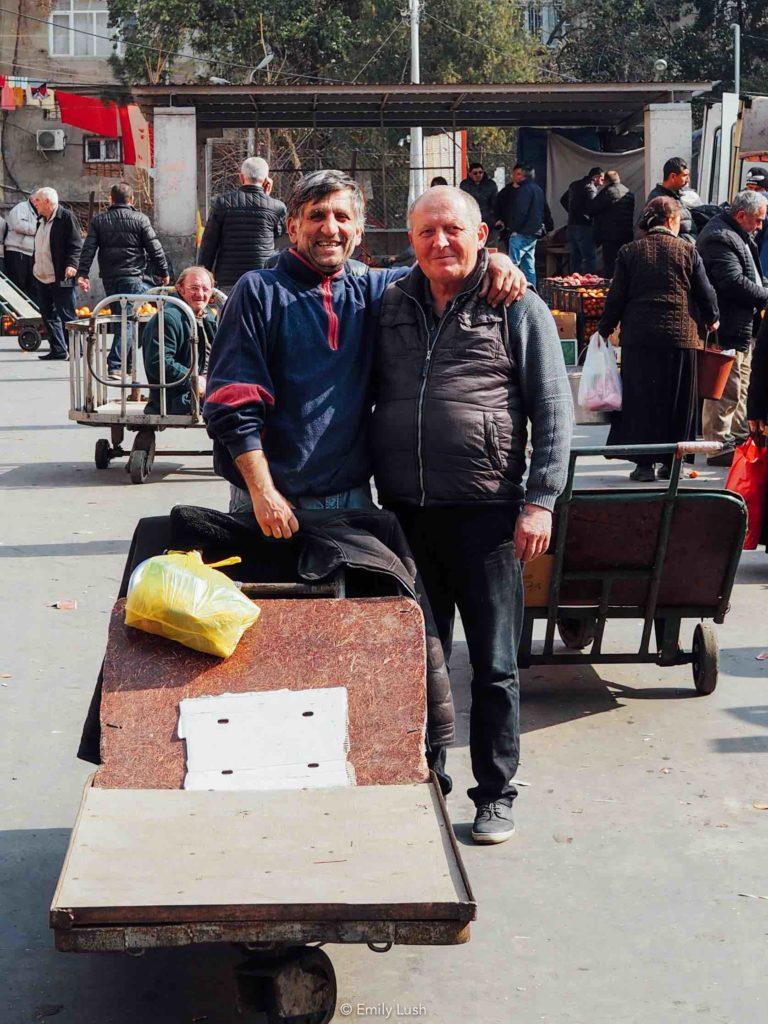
x,y
712,371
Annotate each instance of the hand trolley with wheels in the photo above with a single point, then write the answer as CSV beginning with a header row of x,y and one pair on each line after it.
x,y
660,555
92,400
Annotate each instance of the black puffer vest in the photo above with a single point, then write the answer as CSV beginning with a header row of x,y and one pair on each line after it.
x,y
449,426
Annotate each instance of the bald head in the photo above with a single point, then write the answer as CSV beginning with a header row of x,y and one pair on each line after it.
x,y
450,198
447,233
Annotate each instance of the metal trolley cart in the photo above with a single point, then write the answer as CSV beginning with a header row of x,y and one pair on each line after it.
x,y
275,872
91,402
657,555
20,316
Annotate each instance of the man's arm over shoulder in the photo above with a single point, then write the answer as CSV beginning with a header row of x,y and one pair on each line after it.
x,y
239,384
546,396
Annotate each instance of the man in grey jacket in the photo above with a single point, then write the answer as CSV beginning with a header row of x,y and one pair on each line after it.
x,y
456,383
20,229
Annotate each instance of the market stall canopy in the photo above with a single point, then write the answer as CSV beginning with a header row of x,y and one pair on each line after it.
x,y
539,104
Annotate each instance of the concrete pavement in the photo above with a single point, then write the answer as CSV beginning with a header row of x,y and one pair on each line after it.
x,y
617,902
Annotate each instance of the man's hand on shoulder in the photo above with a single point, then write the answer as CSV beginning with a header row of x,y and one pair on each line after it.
x,y
532,532
503,281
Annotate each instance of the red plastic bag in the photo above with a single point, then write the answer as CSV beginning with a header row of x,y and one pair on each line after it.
x,y
748,477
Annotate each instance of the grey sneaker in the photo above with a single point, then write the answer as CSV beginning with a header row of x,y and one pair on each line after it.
x,y
493,823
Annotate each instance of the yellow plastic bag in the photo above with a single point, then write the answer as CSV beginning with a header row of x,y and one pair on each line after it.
x,y
179,597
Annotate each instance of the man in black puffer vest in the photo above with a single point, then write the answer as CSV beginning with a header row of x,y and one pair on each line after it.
x,y
456,382
243,227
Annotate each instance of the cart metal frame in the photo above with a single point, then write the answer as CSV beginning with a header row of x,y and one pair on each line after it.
x,y
583,625
20,316
90,339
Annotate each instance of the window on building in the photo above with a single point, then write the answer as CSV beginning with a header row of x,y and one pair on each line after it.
x,y
540,18
79,28
97,150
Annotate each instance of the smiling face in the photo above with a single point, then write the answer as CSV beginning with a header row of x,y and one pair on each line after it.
x,y
196,290
326,231
446,238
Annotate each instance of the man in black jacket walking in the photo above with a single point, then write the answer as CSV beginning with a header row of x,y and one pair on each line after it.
x,y
482,189
243,227
732,263
612,212
58,242
576,202
127,247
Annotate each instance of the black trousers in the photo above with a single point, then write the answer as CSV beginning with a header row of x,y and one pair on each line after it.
x,y
610,252
18,266
57,308
466,559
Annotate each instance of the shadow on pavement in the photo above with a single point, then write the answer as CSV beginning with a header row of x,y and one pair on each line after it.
x,y
752,714
80,474
163,986
85,548
742,661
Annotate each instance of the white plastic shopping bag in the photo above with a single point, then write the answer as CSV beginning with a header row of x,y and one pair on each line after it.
x,y
600,384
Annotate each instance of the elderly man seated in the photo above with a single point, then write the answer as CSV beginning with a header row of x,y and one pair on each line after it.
x,y
195,286
457,382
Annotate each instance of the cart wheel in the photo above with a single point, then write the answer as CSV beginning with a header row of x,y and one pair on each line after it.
x,y
297,987
103,453
139,465
576,634
705,659
29,339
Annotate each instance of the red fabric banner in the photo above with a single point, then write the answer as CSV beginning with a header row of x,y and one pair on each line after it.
x,y
89,113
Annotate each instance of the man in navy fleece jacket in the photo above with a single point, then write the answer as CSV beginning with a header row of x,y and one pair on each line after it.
x,y
288,396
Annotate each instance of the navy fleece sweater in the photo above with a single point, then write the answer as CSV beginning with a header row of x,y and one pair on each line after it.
x,y
290,374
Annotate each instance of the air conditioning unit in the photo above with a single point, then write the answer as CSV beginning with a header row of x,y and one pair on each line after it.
x,y
50,140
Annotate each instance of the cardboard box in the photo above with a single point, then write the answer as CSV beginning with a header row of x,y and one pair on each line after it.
x,y
537,576
565,323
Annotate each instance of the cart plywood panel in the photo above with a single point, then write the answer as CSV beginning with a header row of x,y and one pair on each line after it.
x,y
374,647
620,533
171,856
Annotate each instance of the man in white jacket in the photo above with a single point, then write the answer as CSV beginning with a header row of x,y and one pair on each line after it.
x,y
21,225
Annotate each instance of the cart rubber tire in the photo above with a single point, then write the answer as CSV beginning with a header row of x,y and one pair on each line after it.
x,y
309,979
139,465
102,454
705,662
576,634
30,339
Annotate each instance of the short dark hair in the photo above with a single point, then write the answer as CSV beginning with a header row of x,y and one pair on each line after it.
x,y
438,180
674,165
594,171
122,192
526,169
318,184
475,165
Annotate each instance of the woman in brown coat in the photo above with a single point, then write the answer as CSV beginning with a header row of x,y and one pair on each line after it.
x,y
658,287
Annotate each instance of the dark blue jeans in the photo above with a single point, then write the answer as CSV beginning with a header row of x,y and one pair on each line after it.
x,y
116,286
466,558
57,307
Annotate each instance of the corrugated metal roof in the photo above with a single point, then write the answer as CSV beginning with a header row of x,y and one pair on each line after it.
x,y
545,105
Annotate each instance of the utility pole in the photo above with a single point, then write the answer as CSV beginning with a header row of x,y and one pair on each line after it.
x,y
416,185
736,58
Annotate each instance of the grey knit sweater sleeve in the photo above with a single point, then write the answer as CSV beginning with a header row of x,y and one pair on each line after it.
x,y
547,396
